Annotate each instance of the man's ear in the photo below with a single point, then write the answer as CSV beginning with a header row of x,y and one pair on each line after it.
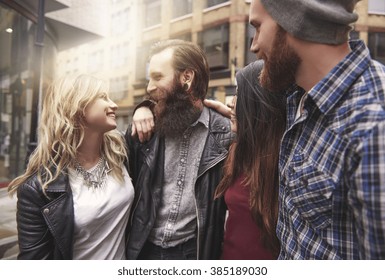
x,y
186,78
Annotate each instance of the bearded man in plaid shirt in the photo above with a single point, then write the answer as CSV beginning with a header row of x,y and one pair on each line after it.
x,y
332,158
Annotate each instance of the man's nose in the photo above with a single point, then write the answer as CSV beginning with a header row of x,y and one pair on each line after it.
x,y
150,87
254,45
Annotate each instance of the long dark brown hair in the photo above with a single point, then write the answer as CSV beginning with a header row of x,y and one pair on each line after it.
x,y
260,120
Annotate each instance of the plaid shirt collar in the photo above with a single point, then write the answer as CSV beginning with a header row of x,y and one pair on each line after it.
x,y
329,90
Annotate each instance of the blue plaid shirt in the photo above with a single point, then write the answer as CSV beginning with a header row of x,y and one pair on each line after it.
x,y
332,165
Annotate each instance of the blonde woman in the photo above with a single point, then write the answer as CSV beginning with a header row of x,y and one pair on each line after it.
x,y
75,197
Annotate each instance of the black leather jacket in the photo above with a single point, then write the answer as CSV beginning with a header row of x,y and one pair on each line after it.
x,y
146,170
45,225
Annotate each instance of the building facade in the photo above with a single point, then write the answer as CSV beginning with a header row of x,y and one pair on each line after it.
x,y
112,57
32,32
220,27
371,26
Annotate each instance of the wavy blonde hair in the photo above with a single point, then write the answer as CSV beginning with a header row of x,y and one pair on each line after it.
x,y
61,131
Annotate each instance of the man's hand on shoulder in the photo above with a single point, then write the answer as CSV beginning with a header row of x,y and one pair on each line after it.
x,y
219,107
143,124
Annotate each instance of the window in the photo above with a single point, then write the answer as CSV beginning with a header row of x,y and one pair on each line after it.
x,y
18,95
181,8
222,93
118,87
120,22
142,61
119,55
376,7
376,46
138,99
249,56
152,10
184,37
68,67
95,61
211,3
215,42
354,35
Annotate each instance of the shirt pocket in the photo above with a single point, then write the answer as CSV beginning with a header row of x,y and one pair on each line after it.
x,y
311,191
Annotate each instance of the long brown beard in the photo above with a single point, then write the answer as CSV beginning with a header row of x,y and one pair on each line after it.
x,y
176,112
279,70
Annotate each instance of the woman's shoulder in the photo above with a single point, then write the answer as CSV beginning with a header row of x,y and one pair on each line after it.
x,y
31,186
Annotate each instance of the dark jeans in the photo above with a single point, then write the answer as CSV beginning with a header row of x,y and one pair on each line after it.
x,y
185,251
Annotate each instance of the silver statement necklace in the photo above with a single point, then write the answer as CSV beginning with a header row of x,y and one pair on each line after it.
x,y
95,177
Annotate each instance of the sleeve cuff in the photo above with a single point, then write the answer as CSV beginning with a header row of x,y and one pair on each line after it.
x,y
145,103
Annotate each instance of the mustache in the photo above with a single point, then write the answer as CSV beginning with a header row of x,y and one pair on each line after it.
x,y
176,93
175,111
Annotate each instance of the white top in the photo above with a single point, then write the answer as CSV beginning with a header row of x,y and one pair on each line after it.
x,y
101,216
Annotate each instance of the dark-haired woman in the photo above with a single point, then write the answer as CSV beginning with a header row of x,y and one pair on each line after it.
x,y
250,183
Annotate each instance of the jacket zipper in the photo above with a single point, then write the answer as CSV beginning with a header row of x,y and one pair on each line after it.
x,y
213,164
132,213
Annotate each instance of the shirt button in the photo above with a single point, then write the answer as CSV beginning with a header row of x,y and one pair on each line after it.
x,y
182,160
223,127
46,211
179,183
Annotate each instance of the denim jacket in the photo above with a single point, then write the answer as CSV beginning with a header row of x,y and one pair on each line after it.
x,y
146,169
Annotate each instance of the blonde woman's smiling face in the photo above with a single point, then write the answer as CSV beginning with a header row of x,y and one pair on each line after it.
x,y
100,114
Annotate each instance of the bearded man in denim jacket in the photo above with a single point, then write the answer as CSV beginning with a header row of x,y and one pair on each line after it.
x,y
176,172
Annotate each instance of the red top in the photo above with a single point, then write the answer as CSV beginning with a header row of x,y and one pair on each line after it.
x,y
242,235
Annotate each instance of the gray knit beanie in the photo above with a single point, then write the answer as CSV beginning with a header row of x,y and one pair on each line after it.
x,y
321,21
